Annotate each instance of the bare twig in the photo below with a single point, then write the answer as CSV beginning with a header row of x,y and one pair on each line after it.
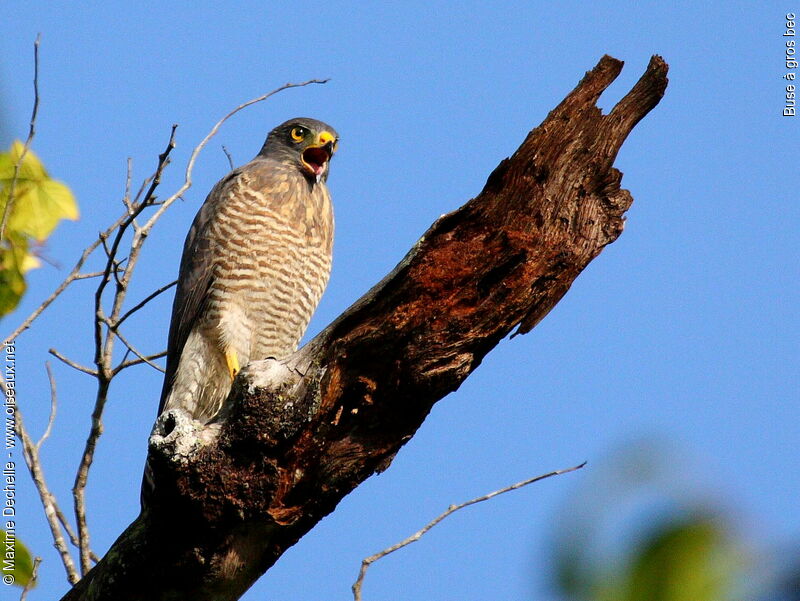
x,y
126,199
146,300
86,276
141,190
67,527
32,582
82,474
26,146
452,509
31,454
148,360
116,266
228,154
71,363
142,358
53,407
73,538
49,260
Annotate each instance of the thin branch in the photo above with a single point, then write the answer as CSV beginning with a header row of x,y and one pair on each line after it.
x,y
148,359
86,276
53,406
142,358
67,527
126,199
49,260
31,455
82,473
71,533
32,582
452,509
103,343
31,133
71,363
147,299
228,154
116,266
141,190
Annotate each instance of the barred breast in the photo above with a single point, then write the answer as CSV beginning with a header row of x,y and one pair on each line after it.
x,y
270,281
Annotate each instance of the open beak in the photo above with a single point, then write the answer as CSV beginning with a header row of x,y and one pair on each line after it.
x,y
316,156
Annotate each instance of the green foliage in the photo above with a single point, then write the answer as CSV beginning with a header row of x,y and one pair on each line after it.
x,y
39,203
13,254
23,562
630,535
687,560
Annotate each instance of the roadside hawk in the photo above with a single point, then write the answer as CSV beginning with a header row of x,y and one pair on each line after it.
x,y
255,263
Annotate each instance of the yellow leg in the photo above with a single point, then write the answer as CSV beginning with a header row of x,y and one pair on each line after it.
x,y
232,359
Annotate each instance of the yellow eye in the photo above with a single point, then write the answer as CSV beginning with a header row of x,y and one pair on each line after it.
x,y
298,133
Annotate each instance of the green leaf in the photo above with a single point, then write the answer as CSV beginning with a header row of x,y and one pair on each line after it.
x,y
690,559
40,206
39,201
23,562
14,261
31,168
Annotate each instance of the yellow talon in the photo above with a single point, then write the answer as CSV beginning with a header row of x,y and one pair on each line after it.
x,y
232,359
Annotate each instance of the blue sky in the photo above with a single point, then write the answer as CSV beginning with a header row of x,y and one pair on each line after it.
x,y
685,330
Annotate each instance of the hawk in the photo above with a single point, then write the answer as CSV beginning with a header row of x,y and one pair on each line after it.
x,y
255,263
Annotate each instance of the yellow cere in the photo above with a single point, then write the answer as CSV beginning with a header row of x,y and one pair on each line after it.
x,y
325,137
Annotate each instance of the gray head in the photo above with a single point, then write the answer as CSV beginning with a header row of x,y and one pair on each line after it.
x,y
307,143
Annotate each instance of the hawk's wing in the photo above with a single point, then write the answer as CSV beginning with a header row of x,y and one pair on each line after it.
x,y
194,279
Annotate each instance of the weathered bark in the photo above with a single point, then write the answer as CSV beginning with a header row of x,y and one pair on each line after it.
x,y
301,434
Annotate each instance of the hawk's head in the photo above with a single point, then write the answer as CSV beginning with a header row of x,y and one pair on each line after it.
x,y
308,143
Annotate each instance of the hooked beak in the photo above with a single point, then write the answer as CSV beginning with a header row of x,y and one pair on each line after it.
x,y
315,158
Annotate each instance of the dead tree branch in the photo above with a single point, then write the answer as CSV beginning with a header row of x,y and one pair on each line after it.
x,y
300,434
